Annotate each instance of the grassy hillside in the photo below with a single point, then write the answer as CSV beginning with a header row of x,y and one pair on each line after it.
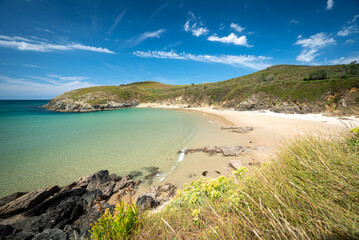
x,y
284,88
308,191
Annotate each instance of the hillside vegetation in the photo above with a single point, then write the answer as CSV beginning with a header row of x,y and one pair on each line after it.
x,y
281,88
308,191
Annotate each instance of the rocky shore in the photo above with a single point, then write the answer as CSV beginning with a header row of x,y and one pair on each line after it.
x,y
63,213
68,105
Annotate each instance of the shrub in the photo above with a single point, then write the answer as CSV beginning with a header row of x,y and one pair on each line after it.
x,y
119,225
318,75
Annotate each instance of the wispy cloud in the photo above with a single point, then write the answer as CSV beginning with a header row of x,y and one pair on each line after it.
x,y
293,21
195,25
231,38
330,5
140,38
36,87
237,27
71,78
349,27
312,44
345,60
156,12
117,21
30,65
250,61
26,44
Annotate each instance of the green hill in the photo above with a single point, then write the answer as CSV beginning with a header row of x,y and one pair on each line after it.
x,y
280,88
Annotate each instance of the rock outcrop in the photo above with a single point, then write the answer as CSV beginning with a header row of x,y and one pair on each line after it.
x,y
69,105
61,213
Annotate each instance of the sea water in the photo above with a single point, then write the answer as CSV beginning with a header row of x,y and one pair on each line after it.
x,y
40,148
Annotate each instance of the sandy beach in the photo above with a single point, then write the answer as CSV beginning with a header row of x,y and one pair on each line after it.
x,y
270,130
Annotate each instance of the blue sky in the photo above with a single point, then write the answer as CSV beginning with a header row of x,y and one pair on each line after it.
x,y
51,46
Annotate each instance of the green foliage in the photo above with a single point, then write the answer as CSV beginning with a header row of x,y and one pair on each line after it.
x,y
119,225
309,191
318,75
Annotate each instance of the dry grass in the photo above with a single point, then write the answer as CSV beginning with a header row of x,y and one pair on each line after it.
x,y
309,191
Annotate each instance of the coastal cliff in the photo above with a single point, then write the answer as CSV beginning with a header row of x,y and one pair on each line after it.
x,y
280,88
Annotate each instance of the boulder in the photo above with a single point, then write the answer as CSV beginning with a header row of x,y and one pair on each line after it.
x,y
147,201
125,182
51,234
27,201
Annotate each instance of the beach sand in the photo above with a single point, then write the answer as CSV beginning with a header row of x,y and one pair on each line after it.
x,y
270,131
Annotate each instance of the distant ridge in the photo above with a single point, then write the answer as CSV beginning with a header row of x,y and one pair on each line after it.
x,y
280,88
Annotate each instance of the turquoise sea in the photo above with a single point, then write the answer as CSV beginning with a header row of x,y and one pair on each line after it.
x,y
39,148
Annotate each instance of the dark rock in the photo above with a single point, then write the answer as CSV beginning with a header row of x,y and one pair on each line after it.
x,y
91,198
72,233
11,197
151,175
27,201
218,172
42,207
204,173
67,187
151,169
147,201
55,217
125,182
51,234
136,173
99,180
92,215
23,235
5,230
92,180
243,129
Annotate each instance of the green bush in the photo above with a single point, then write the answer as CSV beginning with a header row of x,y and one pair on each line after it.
x,y
318,75
119,225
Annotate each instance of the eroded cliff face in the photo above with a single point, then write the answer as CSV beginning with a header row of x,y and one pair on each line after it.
x,y
68,105
95,101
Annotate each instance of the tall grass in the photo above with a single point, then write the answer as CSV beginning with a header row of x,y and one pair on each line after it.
x,y
310,190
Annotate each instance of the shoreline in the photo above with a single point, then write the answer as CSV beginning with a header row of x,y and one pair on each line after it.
x,y
270,131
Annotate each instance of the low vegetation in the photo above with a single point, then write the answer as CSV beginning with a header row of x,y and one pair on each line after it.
x,y
308,191
284,88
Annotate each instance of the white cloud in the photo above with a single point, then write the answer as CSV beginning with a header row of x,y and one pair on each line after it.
x,y
344,60
25,44
293,21
72,78
349,27
330,4
311,46
140,38
231,38
30,87
250,61
237,27
318,40
195,25
307,55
